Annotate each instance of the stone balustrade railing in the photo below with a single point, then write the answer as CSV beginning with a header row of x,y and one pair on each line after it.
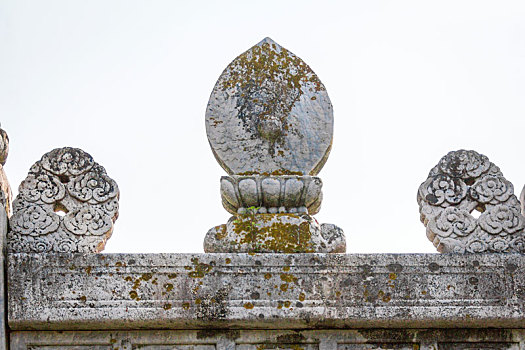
x,y
272,277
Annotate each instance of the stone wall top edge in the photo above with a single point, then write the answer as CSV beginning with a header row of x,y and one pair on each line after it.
x,y
313,260
266,256
183,291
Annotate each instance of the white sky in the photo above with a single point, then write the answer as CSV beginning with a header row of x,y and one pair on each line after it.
x,y
128,82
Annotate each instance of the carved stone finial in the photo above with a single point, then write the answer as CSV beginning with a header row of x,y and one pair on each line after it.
x,y
464,182
269,122
5,189
66,204
269,114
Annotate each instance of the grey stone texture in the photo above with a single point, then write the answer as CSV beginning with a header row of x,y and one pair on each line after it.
x,y
522,200
265,291
5,189
274,233
66,204
269,114
4,146
269,122
272,194
322,339
3,291
463,182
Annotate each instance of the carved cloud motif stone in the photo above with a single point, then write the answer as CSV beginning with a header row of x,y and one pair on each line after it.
x,y
65,181
464,182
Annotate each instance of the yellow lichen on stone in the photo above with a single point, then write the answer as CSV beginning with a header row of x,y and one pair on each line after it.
x,y
199,270
287,277
271,233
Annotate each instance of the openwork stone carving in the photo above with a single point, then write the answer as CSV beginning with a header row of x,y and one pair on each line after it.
x,y
269,122
66,204
464,182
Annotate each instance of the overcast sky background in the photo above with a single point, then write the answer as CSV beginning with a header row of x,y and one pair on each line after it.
x,y
128,82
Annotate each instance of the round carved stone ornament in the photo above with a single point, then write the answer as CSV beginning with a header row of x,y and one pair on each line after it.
x,y
66,204
464,182
269,114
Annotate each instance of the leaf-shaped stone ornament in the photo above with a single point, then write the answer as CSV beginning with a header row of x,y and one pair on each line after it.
x,y
269,114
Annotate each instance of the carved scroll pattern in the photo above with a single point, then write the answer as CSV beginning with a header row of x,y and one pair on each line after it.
x,y
462,182
65,181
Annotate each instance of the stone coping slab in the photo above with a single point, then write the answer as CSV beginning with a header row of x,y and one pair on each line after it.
x,y
265,291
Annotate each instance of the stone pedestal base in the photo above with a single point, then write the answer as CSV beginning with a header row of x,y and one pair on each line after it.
x,y
274,233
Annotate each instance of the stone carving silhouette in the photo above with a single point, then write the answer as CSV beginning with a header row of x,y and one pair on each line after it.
x,y
67,203
464,182
5,189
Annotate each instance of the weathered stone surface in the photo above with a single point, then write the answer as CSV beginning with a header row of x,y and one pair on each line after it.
x,y
274,233
5,189
322,339
4,146
67,203
464,181
269,114
272,194
3,302
269,122
522,200
288,291
6,196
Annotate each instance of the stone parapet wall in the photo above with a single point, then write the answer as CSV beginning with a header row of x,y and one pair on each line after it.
x,y
273,277
265,291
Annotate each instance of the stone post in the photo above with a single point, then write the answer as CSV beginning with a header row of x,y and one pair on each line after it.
x,y
269,122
